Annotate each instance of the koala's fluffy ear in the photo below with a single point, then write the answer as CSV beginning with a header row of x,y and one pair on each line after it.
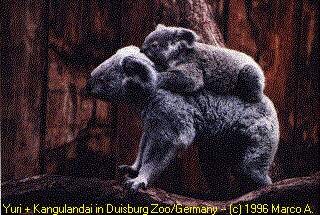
x,y
187,35
160,27
133,66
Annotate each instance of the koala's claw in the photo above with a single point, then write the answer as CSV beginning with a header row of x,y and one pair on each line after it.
x,y
125,169
132,185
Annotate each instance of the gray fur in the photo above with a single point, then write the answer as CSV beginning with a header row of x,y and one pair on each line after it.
x,y
230,132
186,65
128,67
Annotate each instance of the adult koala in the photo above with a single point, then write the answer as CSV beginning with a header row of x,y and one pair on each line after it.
x,y
186,65
229,132
129,68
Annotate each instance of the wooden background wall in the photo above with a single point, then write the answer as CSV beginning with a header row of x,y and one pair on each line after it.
x,y
49,48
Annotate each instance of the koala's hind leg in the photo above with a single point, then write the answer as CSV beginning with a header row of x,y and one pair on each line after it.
x,y
250,84
252,171
251,177
215,168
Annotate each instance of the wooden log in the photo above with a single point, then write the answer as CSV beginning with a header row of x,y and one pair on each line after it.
x,y
46,191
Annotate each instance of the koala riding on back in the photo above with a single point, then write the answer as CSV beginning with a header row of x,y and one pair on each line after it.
x,y
185,65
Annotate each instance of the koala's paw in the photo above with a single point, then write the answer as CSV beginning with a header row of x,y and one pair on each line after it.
x,y
132,185
125,169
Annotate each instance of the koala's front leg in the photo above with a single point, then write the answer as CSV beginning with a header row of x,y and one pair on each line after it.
x,y
185,77
151,167
161,146
133,170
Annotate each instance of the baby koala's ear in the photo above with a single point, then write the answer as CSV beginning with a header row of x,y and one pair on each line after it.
x,y
160,27
187,35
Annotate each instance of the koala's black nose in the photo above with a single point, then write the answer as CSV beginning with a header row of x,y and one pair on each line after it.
x,y
94,86
89,86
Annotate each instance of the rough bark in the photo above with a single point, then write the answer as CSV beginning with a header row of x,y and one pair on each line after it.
x,y
197,15
24,51
55,191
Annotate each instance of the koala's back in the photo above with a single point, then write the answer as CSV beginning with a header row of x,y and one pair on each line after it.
x,y
227,71
226,126
218,116
228,122
225,57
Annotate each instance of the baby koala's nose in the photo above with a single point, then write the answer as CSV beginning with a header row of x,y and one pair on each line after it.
x,y
146,51
143,49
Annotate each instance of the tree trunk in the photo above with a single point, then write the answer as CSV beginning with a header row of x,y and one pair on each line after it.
x,y
24,55
197,15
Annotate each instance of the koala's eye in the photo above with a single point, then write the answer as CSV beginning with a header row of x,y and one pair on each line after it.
x,y
154,45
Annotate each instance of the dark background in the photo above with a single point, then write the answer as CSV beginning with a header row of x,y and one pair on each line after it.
x,y
49,48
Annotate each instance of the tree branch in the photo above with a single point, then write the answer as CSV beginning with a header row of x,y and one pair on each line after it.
x,y
55,191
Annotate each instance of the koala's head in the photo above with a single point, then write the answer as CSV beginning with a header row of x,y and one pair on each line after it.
x,y
108,78
164,42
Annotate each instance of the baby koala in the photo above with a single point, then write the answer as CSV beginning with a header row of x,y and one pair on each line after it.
x,y
185,65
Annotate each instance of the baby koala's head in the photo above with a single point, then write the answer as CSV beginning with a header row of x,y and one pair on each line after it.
x,y
164,42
